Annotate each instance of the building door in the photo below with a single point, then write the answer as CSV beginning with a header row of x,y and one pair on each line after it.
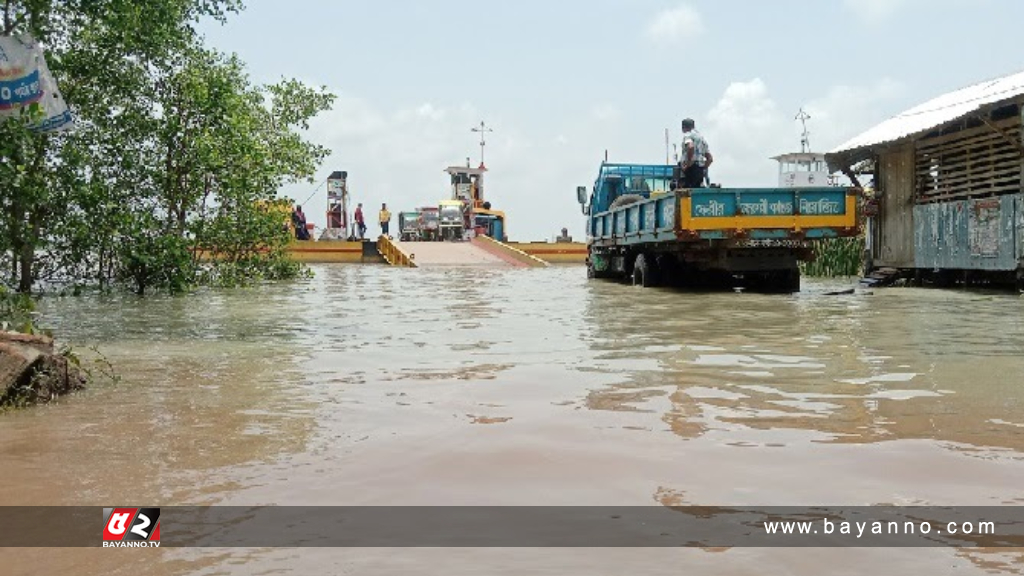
x,y
895,246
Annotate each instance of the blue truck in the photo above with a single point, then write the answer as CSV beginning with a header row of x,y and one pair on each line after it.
x,y
641,225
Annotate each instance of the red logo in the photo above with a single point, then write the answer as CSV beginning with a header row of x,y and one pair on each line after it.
x,y
131,524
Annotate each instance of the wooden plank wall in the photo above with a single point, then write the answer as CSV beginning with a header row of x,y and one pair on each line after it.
x,y
894,244
971,163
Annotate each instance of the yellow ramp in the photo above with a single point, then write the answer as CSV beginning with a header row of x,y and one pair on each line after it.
x,y
466,254
393,253
480,252
510,254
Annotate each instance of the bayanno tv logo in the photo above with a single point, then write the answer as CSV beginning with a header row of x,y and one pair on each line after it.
x,y
131,527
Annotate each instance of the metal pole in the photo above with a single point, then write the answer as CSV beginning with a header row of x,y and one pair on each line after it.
x,y
344,211
805,137
482,130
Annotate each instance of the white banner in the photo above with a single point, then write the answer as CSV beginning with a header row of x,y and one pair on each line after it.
x,y
25,81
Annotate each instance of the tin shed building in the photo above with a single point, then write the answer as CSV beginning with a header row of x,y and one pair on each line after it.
x,y
948,185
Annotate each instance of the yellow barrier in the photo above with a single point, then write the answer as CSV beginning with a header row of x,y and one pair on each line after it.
x,y
393,254
511,252
326,252
554,252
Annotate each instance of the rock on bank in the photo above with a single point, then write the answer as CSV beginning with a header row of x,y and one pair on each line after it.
x,y
31,371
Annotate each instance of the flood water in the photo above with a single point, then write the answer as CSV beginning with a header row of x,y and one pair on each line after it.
x,y
369,385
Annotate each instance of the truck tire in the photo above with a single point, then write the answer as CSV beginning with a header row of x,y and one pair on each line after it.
x,y
791,280
594,274
644,273
777,281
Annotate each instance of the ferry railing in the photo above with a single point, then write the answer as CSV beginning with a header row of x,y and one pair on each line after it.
x,y
393,254
511,252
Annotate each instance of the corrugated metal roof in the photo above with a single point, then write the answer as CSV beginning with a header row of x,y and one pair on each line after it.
x,y
931,114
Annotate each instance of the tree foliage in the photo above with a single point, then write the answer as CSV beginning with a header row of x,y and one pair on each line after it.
x,y
170,176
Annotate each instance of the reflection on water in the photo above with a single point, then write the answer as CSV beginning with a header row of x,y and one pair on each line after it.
x,y
898,364
372,385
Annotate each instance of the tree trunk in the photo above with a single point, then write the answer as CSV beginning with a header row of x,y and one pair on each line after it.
x,y
37,213
25,277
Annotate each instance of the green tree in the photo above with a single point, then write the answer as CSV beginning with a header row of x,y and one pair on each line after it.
x,y
165,179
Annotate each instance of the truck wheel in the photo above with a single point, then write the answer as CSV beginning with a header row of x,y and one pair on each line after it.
x,y
778,281
592,273
791,280
644,272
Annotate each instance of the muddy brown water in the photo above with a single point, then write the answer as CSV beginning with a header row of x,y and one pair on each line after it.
x,y
376,386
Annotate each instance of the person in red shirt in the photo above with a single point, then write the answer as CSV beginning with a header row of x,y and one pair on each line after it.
x,y
299,222
360,223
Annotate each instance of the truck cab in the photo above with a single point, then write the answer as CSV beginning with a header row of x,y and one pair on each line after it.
x,y
429,223
620,184
491,223
409,226
451,220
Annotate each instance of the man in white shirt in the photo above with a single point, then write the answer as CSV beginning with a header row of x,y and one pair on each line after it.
x,y
696,156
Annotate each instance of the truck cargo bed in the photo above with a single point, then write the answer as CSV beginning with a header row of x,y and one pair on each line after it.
x,y
642,226
722,213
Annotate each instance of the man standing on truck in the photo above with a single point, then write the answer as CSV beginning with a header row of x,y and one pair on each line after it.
x,y
385,219
696,156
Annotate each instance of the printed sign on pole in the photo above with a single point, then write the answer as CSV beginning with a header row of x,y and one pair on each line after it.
x,y
25,81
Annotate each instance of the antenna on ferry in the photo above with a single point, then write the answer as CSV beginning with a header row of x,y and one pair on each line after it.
x,y
668,157
482,129
805,137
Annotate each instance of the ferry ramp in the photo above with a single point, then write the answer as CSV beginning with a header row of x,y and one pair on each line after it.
x,y
480,252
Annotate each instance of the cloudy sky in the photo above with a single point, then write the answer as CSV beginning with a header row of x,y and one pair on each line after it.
x,y
561,82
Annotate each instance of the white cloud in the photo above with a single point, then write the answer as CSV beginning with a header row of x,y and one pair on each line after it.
x,y
675,24
845,111
744,106
746,125
875,12
428,111
605,112
744,128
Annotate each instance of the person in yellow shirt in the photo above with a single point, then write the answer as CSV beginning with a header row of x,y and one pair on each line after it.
x,y
385,220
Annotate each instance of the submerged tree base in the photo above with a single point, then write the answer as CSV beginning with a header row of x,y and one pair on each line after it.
x,y
33,372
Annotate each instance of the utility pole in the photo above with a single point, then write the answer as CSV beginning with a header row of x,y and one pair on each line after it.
x,y
482,129
668,158
805,138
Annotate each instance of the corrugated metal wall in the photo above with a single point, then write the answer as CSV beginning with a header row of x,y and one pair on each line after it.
x,y
1020,229
981,234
